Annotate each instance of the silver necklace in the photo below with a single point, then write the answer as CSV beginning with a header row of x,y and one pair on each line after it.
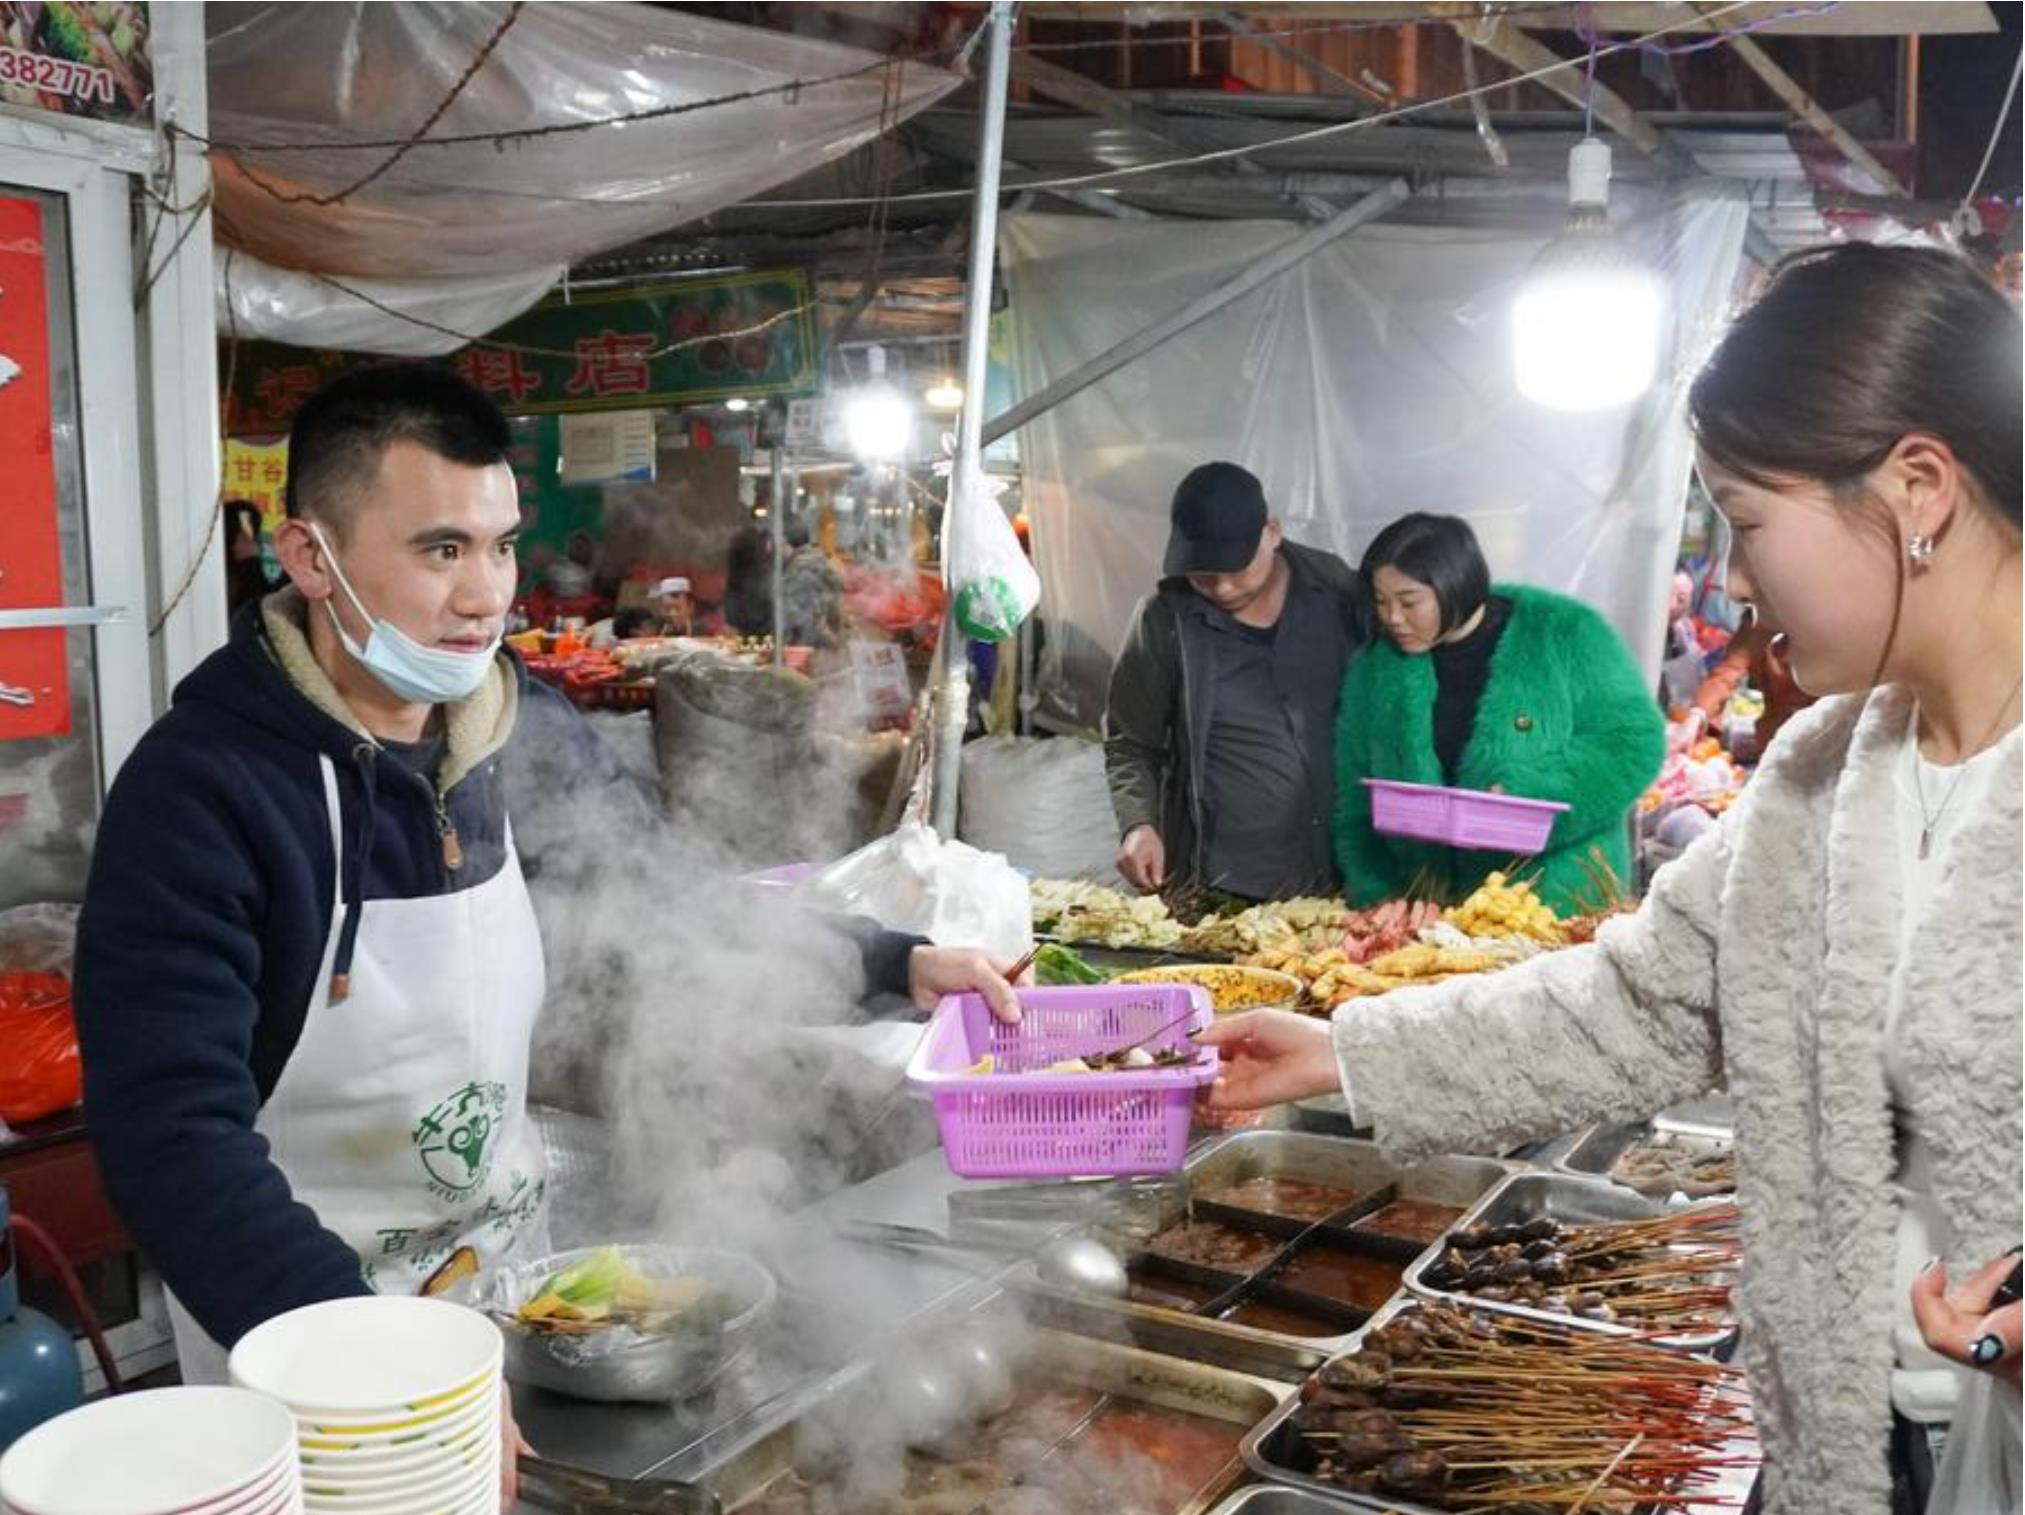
x,y
1930,821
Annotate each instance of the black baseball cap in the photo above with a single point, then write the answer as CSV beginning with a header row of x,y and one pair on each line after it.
x,y
1218,515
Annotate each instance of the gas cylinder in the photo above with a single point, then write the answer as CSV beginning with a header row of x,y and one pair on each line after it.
x,y
39,1374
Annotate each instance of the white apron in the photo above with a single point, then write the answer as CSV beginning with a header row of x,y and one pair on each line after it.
x,y
401,1118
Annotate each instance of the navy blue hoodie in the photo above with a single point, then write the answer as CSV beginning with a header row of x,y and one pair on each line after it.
x,y
205,922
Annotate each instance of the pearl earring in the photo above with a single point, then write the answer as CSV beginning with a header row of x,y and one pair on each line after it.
x,y
1920,550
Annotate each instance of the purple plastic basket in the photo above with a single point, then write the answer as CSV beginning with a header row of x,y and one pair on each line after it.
x,y
1022,1124
1462,817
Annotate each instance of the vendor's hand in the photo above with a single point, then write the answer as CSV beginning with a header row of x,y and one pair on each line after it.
x,y
1142,858
933,972
512,1447
1959,1324
1270,1057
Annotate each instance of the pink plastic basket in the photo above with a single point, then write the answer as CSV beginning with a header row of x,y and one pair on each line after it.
x,y
1020,1124
1462,817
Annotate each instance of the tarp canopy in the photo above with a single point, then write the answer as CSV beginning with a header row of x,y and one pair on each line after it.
x,y
307,101
1373,379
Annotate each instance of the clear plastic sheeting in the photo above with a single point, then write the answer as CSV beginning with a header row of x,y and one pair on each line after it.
x,y
1373,379
356,73
256,299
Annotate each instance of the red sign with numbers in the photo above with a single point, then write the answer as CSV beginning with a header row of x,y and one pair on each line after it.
x,y
34,666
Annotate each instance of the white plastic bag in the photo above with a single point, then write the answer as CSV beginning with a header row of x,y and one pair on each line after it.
x,y
1044,803
992,586
1979,1466
912,880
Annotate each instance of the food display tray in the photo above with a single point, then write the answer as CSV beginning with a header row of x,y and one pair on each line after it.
x,y
1574,1201
1266,1451
1123,1372
1597,1150
1337,1161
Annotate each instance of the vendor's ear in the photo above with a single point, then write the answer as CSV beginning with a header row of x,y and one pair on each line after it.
x,y
1923,483
305,557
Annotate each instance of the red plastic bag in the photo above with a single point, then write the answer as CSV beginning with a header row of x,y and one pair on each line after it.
x,y
40,1071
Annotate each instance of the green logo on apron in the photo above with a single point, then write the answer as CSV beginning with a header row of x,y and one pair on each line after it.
x,y
455,1138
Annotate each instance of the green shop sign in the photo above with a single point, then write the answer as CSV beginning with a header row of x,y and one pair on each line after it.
x,y
636,348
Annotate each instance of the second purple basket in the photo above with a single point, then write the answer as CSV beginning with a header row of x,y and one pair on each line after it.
x,y
1462,817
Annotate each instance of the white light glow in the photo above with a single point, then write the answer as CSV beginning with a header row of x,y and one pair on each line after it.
x,y
879,423
737,403
1587,337
945,395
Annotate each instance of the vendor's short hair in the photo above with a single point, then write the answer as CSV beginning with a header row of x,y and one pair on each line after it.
x,y
1438,551
343,430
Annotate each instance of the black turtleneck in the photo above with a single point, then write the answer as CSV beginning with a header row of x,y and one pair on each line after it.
x,y
1461,670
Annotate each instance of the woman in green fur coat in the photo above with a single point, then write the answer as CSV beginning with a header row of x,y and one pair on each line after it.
x,y
1477,686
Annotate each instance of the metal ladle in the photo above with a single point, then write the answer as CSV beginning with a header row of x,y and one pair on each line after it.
x,y
1079,1263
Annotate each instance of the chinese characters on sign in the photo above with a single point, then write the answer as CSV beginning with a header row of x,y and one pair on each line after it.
x,y
747,334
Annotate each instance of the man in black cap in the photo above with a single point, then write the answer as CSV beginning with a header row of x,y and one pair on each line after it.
x,y
1221,723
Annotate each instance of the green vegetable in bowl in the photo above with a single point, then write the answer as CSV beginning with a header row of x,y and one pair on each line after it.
x,y
1056,965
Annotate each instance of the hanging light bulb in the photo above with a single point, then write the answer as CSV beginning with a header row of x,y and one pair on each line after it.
x,y
878,419
1587,323
944,394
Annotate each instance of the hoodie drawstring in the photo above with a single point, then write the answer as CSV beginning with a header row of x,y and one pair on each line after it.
x,y
352,873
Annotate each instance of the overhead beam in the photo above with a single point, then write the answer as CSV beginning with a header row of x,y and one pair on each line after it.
x,y
1143,341
1809,110
1332,82
1564,76
1071,88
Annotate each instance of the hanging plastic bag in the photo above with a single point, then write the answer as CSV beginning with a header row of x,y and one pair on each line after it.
x,y
993,586
1979,1467
40,1072
912,880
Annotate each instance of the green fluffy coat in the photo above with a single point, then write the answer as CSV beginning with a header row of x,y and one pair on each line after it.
x,y
1565,716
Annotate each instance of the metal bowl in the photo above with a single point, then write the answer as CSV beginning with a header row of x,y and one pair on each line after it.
x,y
621,1363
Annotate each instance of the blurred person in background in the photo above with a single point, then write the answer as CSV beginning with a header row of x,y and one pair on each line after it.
x,y
1220,726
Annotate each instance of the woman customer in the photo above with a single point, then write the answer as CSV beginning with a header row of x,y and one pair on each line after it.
x,y
1493,687
1844,947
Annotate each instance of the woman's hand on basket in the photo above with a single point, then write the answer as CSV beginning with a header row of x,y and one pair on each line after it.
x,y
933,972
1270,1057
1960,1324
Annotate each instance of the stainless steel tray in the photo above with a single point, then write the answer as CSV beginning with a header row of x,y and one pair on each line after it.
x,y
1121,1371
1712,1115
1278,1499
1263,1453
1577,1201
1596,1152
1356,1165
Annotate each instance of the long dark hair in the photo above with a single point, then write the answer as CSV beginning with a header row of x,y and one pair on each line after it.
x,y
1849,349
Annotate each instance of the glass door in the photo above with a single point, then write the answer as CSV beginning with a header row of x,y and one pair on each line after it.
x,y
73,670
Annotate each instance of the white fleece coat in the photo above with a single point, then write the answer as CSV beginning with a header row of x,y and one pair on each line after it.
x,y
1763,958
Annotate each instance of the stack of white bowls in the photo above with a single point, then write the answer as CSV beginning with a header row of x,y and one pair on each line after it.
x,y
188,1451
396,1403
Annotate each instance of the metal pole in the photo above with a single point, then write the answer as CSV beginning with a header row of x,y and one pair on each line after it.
x,y
1271,266
952,701
776,515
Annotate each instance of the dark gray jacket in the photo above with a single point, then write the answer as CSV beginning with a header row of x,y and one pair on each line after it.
x,y
1157,716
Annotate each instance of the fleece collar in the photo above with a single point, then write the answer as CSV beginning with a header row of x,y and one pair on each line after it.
x,y
474,728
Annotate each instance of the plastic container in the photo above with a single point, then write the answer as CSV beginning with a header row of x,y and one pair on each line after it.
x,y
1462,817
1015,1123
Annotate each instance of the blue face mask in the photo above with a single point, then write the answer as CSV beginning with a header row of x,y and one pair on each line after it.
x,y
423,675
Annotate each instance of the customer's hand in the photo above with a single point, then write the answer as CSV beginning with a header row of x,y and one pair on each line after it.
x,y
1142,858
933,972
1959,1324
1270,1057
512,1447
